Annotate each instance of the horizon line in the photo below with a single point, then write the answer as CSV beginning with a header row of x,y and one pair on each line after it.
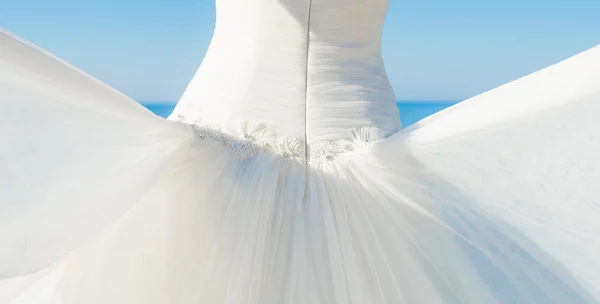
x,y
425,101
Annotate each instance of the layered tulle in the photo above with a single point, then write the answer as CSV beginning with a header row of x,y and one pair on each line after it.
x,y
492,201
523,159
75,156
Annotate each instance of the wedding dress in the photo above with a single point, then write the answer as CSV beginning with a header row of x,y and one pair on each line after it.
x,y
283,177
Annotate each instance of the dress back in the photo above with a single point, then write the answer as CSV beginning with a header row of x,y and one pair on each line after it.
x,y
308,69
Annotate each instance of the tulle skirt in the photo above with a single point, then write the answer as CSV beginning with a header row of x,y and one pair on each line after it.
x,y
494,200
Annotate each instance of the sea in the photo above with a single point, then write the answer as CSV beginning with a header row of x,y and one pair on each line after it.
x,y
410,111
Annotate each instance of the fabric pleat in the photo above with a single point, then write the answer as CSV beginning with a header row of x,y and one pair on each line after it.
x,y
491,201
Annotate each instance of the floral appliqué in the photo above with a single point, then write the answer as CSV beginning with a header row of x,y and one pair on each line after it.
x,y
255,138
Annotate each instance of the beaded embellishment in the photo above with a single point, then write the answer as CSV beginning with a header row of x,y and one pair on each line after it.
x,y
259,138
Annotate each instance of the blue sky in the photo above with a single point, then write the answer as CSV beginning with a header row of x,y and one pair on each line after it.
x,y
434,49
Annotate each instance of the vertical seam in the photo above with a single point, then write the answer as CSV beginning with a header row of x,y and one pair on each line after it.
x,y
306,152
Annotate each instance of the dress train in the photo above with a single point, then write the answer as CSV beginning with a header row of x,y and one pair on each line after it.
x,y
490,201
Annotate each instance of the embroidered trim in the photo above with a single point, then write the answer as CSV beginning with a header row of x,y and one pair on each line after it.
x,y
259,138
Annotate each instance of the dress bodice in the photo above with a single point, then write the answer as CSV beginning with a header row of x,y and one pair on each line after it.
x,y
309,69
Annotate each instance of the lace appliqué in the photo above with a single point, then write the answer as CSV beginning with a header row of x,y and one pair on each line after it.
x,y
361,137
259,138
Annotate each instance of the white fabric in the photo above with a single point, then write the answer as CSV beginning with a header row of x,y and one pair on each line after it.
x,y
312,76
491,201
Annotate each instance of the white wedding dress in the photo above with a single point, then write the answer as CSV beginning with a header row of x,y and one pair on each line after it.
x,y
283,177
